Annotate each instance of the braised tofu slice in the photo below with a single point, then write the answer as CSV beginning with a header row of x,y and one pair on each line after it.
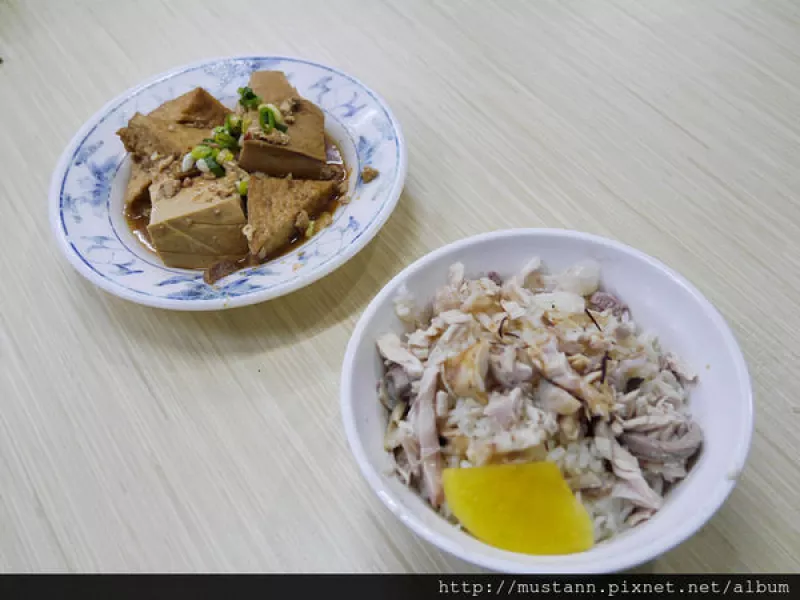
x,y
197,108
138,184
175,127
272,86
197,226
146,135
302,151
274,206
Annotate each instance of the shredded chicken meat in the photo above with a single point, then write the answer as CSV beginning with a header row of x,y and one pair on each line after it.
x,y
538,366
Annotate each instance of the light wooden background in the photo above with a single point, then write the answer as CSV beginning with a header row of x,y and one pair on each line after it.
x,y
138,440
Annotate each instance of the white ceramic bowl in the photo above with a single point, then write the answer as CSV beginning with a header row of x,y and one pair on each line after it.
x,y
660,300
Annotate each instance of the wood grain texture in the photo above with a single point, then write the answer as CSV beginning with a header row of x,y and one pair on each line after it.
x,y
134,439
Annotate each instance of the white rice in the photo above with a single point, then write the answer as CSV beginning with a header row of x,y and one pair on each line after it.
x,y
538,367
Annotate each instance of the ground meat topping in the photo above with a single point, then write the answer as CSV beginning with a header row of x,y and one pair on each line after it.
x,y
368,174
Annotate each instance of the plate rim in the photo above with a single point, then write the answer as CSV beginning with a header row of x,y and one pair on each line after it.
x,y
256,297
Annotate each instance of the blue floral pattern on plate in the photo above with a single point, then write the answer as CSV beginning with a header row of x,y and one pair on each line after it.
x,y
88,184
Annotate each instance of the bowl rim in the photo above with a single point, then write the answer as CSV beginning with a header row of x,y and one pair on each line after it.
x,y
256,297
521,563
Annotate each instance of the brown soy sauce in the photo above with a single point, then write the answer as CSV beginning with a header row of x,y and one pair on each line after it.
x,y
137,216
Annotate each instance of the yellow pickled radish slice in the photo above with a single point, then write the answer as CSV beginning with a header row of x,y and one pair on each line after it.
x,y
525,508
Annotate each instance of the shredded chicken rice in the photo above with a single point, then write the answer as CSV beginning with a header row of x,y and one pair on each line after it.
x,y
538,367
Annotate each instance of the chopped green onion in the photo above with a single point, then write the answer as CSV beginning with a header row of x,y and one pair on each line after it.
x,y
217,130
233,125
202,165
226,140
246,122
266,118
188,163
241,187
270,116
214,167
215,153
277,113
224,156
200,152
248,98
279,123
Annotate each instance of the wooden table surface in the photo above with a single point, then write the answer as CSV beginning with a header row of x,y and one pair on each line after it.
x,y
133,439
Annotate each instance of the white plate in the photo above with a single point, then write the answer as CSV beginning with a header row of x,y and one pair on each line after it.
x,y
86,192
